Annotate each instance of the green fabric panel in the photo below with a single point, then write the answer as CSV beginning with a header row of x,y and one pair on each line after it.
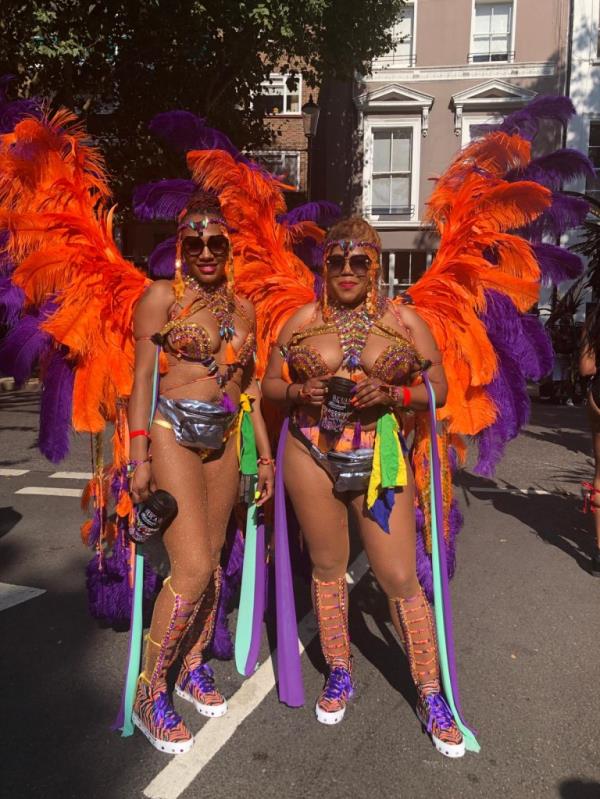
x,y
389,448
248,454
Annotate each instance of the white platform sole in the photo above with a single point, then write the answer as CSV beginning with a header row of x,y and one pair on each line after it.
x,y
212,711
169,748
329,718
446,749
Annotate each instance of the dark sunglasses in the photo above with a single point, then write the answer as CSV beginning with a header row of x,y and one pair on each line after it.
x,y
359,264
194,245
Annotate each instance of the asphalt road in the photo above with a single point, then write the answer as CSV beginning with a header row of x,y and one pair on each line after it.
x,y
527,631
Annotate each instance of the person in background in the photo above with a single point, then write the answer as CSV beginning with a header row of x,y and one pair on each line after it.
x,y
589,358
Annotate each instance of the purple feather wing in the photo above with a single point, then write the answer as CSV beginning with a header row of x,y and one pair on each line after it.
x,y
164,199
184,131
524,353
526,121
56,407
161,262
11,302
321,212
557,263
566,212
22,348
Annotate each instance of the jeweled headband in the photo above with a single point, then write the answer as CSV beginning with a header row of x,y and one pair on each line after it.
x,y
350,244
203,224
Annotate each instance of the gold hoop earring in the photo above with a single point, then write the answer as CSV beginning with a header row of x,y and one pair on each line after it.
x,y
178,282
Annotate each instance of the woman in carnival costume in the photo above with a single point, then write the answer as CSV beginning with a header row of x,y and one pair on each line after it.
x,y
207,335
455,352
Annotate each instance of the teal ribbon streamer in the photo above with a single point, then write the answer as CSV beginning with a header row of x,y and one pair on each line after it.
x,y
245,619
137,618
438,597
135,650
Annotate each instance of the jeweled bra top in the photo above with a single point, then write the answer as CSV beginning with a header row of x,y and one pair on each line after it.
x,y
191,341
391,366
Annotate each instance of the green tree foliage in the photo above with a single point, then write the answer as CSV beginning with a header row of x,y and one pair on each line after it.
x,y
119,62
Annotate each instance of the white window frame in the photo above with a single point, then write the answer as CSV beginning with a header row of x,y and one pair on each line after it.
x,y
388,61
512,37
488,118
268,84
375,122
252,154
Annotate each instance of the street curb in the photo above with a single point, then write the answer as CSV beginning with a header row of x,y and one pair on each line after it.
x,y
8,384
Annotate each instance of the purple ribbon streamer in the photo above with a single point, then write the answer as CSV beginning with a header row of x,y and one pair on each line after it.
x,y
439,509
291,688
259,598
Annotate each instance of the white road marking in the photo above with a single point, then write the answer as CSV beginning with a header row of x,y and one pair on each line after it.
x,y
71,476
13,472
11,595
173,780
539,492
44,491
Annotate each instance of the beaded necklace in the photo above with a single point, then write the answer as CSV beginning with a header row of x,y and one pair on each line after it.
x,y
219,302
352,326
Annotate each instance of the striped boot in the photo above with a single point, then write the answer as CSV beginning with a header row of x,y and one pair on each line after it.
x,y
195,682
330,601
414,623
153,712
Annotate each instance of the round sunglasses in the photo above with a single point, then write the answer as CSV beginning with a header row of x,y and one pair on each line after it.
x,y
194,245
359,264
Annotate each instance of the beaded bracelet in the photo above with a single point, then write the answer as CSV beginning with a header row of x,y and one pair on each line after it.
x,y
266,461
132,466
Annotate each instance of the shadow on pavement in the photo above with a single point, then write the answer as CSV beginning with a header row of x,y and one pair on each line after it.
x,y
57,702
556,421
556,518
579,789
9,517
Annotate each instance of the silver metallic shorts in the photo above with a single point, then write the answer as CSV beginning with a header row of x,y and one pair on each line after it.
x,y
350,471
196,424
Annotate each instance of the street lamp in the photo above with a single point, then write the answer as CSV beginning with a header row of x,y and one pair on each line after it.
x,y
310,119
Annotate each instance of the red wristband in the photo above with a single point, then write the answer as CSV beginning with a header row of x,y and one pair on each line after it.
x,y
406,397
135,433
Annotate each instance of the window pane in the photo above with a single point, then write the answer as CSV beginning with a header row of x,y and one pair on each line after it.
x,y
483,19
381,150
595,134
499,44
501,18
401,192
293,104
381,194
402,267
401,150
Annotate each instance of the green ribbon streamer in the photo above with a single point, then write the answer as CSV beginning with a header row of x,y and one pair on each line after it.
x,y
243,630
248,454
470,740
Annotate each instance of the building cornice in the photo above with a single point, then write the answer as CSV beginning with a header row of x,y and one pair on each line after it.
x,y
525,69
493,95
395,99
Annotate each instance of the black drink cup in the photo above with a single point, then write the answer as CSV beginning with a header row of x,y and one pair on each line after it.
x,y
337,409
152,516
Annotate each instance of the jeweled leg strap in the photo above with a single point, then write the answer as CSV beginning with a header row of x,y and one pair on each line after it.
x,y
414,622
330,601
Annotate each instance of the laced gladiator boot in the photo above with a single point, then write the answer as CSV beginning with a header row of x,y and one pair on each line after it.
x,y
413,619
330,601
195,682
153,712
